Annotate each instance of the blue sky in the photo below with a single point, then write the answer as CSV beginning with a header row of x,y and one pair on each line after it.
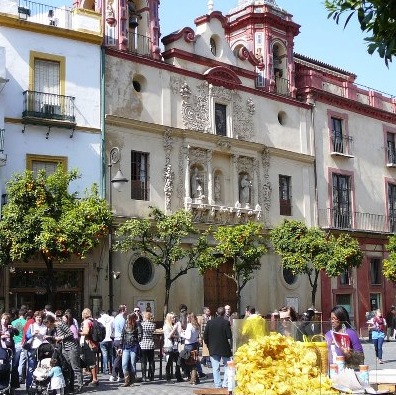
x,y
320,38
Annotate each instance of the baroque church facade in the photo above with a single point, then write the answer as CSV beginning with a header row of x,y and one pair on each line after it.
x,y
225,120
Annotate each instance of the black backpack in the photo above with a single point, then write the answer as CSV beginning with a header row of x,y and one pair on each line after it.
x,y
98,331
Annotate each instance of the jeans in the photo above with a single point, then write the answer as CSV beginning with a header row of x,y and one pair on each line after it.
x,y
72,356
117,363
22,365
31,365
378,347
215,360
106,349
129,357
171,358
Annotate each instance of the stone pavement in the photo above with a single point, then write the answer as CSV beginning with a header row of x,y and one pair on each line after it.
x,y
160,387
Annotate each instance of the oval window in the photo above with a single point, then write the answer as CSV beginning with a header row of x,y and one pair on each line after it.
x,y
289,277
142,271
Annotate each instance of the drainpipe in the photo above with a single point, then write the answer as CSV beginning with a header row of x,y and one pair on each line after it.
x,y
316,207
102,121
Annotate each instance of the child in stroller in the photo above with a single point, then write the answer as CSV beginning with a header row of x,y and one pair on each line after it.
x,y
5,371
41,381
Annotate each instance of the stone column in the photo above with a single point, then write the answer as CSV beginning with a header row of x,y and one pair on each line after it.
x,y
210,177
235,175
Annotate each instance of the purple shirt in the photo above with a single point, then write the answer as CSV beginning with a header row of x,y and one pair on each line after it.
x,y
355,343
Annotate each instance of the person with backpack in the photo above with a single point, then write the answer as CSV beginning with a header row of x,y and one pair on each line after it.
x,y
89,347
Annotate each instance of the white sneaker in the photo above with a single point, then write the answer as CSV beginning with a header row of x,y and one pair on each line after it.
x,y
112,378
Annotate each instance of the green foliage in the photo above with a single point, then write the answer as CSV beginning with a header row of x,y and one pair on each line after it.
x,y
41,216
389,265
243,245
377,18
310,250
162,238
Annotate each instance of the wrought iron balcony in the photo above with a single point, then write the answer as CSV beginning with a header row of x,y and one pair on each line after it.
x,y
140,45
49,107
282,86
341,145
44,14
348,220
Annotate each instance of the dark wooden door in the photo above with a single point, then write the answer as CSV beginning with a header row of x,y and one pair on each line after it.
x,y
219,290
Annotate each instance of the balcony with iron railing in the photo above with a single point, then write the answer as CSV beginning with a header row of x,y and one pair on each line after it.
x,y
3,156
71,19
341,145
356,221
48,109
44,14
281,86
140,45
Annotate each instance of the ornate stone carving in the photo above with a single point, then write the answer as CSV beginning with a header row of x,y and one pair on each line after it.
x,y
224,145
169,175
195,108
206,213
267,187
244,164
220,93
242,118
175,84
197,155
183,155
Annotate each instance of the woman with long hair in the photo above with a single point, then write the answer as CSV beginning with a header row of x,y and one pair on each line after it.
x,y
130,337
191,344
147,346
343,340
171,340
378,333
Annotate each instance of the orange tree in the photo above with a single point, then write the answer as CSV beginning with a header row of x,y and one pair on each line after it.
x,y
42,218
310,250
162,238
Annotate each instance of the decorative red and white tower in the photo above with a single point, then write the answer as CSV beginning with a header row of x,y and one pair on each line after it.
x,y
268,31
132,26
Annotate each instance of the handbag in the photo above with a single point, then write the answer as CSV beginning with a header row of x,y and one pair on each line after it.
x,y
27,345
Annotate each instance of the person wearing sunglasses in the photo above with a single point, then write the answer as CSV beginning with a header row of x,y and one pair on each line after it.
x,y
287,315
343,340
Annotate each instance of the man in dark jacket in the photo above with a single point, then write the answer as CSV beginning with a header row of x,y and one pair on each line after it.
x,y
218,336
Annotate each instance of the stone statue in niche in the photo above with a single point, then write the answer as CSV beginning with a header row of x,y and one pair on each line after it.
x,y
196,184
217,188
245,190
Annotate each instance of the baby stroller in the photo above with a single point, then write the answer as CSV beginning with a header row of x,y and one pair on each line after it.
x,y
5,371
41,382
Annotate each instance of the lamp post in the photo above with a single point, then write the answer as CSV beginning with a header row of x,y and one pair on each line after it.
x,y
117,182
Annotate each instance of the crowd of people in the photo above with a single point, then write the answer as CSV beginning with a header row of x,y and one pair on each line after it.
x,y
189,342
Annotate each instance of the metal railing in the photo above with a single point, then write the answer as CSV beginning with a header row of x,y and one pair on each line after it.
x,y
341,144
44,14
2,131
348,220
48,106
282,86
140,45
391,155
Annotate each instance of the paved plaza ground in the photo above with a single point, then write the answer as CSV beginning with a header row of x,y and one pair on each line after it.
x,y
160,387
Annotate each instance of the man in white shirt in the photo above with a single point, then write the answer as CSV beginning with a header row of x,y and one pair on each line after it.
x,y
106,346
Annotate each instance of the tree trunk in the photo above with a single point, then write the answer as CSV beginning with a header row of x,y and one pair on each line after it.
x,y
50,285
168,285
314,287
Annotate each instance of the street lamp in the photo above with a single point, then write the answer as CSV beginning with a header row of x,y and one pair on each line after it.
x,y
117,182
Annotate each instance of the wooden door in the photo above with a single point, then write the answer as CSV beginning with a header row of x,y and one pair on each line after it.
x,y
219,290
